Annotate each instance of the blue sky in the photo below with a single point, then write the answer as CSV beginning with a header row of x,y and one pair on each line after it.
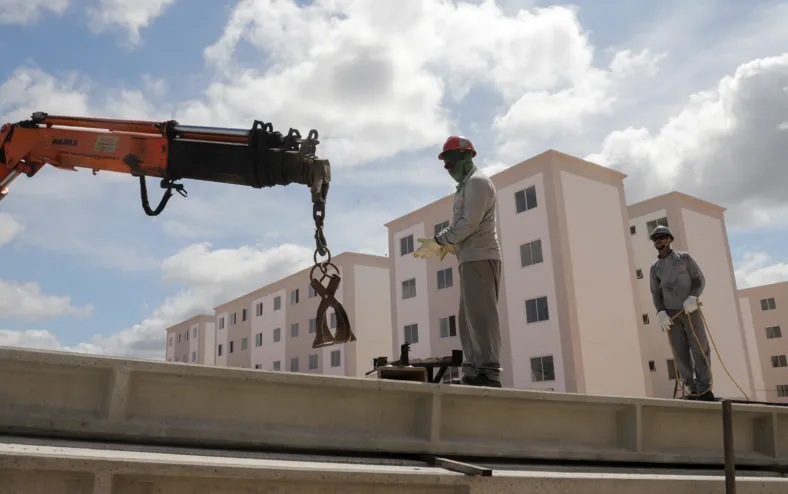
x,y
680,96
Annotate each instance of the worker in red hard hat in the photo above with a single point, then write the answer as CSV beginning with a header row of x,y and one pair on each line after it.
x,y
473,237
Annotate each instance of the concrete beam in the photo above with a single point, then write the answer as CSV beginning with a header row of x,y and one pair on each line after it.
x,y
84,396
79,469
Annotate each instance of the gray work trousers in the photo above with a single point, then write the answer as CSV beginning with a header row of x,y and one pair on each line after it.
x,y
479,326
690,361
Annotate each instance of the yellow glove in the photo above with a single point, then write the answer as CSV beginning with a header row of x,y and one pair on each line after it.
x,y
445,249
429,247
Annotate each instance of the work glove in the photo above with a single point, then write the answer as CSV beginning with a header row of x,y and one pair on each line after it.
x,y
429,247
445,249
664,320
691,304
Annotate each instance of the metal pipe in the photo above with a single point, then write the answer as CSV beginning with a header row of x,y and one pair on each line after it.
x,y
727,439
211,131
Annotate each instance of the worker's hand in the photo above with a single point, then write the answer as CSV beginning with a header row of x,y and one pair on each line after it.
x,y
664,320
691,304
429,247
445,249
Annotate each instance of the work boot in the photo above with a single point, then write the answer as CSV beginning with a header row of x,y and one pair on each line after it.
x,y
481,380
707,396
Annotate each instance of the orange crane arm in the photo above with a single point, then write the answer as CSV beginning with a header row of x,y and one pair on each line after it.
x,y
256,157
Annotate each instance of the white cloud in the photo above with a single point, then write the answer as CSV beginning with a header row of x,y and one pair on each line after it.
x,y
210,277
724,146
129,15
27,301
9,228
27,11
758,268
627,63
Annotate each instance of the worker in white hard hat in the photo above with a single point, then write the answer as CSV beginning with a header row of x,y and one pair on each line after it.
x,y
676,284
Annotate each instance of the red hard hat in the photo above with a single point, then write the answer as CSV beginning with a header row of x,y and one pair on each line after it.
x,y
457,142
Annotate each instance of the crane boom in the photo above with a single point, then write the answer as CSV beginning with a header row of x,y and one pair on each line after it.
x,y
256,157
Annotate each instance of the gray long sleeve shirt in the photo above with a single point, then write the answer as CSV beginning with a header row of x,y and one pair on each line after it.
x,y
473,230
674,279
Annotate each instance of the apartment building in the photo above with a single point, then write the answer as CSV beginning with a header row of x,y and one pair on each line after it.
x,y
699,228
765,311
192,341
567,300
273,328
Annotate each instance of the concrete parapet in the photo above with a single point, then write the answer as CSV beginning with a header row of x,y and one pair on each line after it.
x,y
84,396
80,469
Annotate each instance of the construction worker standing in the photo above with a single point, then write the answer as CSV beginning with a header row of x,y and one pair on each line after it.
x,y
676,284
473,237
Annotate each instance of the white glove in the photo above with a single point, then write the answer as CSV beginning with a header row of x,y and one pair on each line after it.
x,y
429,247
664,320
691,304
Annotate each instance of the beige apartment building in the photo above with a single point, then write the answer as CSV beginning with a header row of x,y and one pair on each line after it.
x,y
699,228
568,294
765,311
273,328
192,341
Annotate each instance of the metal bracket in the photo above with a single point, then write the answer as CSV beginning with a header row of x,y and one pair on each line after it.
x,y
457,466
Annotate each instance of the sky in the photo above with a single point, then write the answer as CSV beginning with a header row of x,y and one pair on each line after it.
x,y
686,96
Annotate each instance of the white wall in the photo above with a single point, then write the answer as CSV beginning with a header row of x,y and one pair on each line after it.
x,y
605,304
373,315
209,334
752,349
271,319
194,342
413,310
523,283
706,243
221,339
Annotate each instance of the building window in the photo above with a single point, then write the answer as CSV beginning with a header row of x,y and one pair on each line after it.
x,y
170,340
645,319
536,310
294,297
259,309
406,245
445,279
258,366
186,335
542,369
312,291
671,370
632,230
194,332
194,356
439,227
277,365
335,358
639,273
277,302
258,340
294,364
779,361
179,337
277,334
232,346
412,333
782,390
233,319
525,200
768,304
244,343
313,361
531,253
219,350
294,330
333,320
448,327
655,223
651,366
409,288
221,323
313,325
774,332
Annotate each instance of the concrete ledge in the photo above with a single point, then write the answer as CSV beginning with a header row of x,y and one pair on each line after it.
x,y
84,396
79,470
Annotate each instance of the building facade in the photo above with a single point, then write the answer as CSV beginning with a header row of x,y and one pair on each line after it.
x,y
567,300
765,311
192,341
698,228
273,328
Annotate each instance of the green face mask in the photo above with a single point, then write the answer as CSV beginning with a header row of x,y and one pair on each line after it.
x,y
463,165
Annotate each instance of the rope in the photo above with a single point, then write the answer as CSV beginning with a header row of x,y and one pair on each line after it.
x,y
703,351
